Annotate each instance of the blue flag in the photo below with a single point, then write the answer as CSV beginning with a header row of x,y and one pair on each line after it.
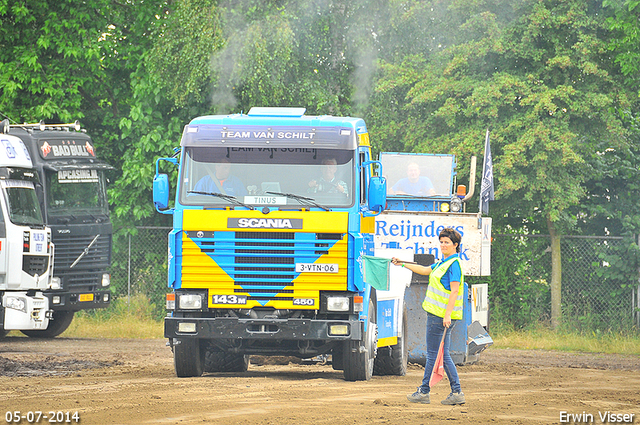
x,y
486,187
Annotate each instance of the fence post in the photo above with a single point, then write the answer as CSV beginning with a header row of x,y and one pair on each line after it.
x,y
129,278
636,304
635,297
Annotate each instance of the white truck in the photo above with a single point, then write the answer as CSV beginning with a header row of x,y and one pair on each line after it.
x,y
26,251
422,199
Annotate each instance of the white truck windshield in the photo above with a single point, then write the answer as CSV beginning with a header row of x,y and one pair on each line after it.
x,y
22,203
421,175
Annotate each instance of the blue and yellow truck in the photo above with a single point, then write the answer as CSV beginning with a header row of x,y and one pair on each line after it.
x,y
275,216
274,212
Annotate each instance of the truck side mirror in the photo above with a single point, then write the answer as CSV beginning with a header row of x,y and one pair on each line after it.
x,y
161,191
377,193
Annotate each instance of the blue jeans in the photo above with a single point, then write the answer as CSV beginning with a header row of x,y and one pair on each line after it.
x,y
435,330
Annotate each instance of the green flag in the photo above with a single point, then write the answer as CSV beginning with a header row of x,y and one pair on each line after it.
x,y
376,272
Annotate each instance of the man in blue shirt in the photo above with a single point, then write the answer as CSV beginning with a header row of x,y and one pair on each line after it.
x,y
329,183
221,182
414,183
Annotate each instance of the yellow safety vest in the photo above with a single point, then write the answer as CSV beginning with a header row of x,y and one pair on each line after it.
x,y
437,297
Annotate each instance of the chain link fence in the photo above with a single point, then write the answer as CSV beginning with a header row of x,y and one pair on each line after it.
x,y
592,297
139,265
588,298
519,288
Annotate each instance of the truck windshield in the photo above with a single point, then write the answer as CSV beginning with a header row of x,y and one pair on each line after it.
x,y
420,175
76,192
22,203
260,176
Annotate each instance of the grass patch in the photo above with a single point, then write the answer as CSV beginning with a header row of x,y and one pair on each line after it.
x,y
122,319
136,322
84,326
541,338
137,318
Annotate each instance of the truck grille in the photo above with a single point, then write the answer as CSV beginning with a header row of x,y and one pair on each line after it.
x,y
69,248
262,265
35,264
86,275
82,282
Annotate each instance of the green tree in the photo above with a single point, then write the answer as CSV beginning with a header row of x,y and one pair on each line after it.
x,y
205,57
51,58
69,60
612,205
542,82
625,43
169,86
179,59
320,55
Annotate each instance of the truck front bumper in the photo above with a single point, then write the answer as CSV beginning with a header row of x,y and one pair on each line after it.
x,y
262,329
75,301
33,314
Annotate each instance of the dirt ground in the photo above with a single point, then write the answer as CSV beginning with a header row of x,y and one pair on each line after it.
x,y
126,381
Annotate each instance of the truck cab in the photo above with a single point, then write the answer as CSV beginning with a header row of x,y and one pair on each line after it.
x,y
273,213
26,251
423,198
72,196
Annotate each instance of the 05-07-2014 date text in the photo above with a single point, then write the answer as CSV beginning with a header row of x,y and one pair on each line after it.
x,y
33,417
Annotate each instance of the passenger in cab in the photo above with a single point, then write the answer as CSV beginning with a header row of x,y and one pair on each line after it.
x,y
221,181
328,182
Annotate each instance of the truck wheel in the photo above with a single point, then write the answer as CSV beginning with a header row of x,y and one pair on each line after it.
x,y
337,357
359,356
219,361
188,357
60,322
3,333
394,361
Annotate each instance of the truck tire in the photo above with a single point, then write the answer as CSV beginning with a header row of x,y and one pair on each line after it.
x,y
394,361
359,356
188,357
60,323
3,333
337,358
219,361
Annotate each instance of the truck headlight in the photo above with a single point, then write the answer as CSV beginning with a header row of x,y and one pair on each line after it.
x,y
106,279
189,301
55,283
338,303
186,327
456,204
338,330
16,303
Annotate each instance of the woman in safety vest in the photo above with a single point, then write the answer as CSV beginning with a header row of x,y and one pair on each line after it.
x,y
443,304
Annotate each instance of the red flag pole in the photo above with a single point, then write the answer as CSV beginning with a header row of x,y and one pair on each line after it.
x,y
438,368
